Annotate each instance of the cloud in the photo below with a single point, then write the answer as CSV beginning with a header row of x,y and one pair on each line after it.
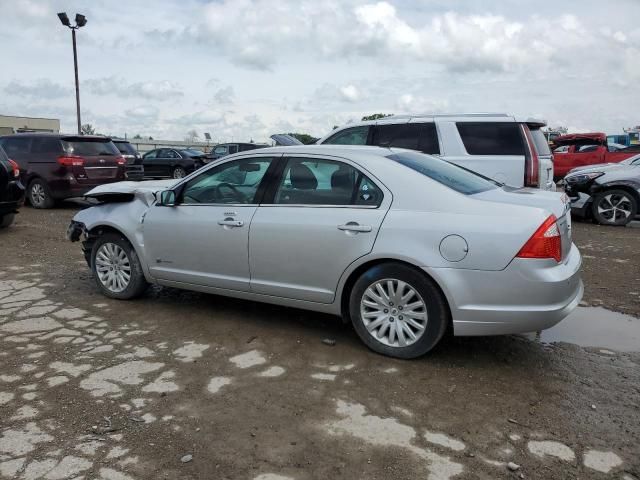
x,y
150,90
224,96
329,92
409,103
350,93
40,88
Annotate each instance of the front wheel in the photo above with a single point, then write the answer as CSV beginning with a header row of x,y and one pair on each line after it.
x,y
398,311
179,172
614,207
117,268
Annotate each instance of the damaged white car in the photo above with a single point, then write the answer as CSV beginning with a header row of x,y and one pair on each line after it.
x,y
405,245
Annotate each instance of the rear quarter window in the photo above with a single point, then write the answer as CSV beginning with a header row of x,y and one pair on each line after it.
x,y
414,136
491,138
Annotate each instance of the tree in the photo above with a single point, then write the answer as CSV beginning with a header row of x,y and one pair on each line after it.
x,y
192,136
376,116
137,136
87,129
304,138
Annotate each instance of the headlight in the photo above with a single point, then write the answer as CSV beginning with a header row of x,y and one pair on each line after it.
x,y
582,177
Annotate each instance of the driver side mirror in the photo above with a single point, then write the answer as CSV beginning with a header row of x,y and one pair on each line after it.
x,y
166,198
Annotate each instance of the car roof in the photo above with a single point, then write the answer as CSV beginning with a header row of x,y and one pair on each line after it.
x,y
581,138
334,150
74,136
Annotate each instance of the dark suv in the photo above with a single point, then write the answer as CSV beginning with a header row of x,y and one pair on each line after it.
x,y
11,190
56,166
134,169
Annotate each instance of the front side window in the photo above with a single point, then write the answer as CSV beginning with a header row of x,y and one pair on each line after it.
x,y
234,182
325,182
457,178
151,155
415,136
350,136
491,138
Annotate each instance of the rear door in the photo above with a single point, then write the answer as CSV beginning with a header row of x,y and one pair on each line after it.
x,y
149,161
320,216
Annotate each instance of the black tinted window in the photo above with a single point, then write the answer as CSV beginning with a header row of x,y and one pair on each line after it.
x,y
46,145
455,177
489,138
540,141
16,146
90,147
125,148
325,182
350,136
416,136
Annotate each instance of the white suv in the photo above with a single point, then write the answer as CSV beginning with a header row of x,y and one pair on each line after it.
x,y
496,145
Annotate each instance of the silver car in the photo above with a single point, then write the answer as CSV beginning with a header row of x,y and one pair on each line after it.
x,y
404,245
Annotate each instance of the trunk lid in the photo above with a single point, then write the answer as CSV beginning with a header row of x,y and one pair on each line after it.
x,y
555,203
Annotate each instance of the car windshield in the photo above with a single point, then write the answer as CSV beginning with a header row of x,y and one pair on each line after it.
x,y
450,175
635,160
192,153
90,147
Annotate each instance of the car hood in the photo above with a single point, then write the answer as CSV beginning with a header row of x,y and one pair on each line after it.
x,y
553,202
126,191
598,167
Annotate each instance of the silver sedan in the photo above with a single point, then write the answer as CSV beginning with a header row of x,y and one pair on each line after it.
x,y
404,245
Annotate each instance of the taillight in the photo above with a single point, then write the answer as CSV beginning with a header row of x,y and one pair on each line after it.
x,y
121,160
545,242
71,161
531,161
14,168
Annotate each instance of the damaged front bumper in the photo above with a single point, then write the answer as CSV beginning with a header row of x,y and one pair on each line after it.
x,y
76,230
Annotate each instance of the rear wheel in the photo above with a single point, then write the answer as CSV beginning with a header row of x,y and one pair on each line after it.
x,y
116,267
398,311
7,220
179,172
614,207
40,194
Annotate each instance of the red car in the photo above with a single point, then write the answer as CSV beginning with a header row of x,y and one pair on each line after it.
x,y
583,149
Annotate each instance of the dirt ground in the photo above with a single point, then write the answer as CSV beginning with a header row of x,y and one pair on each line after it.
x,y
180,385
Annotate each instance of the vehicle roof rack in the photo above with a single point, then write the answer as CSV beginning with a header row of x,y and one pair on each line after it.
x,y
475,114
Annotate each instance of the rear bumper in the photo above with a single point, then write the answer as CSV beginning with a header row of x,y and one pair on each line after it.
x,y
529,295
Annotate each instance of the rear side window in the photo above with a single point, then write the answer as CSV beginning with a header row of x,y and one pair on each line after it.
x,y
44,145
125,148
540,141
16,146
415,136
450,175
350,136
491,138
90,147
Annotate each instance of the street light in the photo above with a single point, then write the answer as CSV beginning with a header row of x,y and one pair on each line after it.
x,y
81,21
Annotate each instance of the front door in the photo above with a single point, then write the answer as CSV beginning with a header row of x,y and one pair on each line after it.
x,y
324,215
203,240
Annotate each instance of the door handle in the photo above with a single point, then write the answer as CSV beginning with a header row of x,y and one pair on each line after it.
x,y
230,222
355,227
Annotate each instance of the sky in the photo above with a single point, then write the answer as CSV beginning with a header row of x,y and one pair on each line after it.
x,y
244,69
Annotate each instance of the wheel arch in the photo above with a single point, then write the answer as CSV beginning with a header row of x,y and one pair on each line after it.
x,y
357,271
629,187
95,231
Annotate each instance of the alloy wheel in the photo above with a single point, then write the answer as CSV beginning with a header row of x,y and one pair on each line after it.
x,y
393,312
38,194
615,207
113,267
179,172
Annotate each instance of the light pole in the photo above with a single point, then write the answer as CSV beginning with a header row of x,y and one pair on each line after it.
x,y
81,21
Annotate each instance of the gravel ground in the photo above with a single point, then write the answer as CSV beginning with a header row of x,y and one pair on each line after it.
x,y
193,386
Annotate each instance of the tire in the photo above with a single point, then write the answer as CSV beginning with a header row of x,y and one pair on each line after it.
x,y
614,207
39,194
7,220
112,259
178,172
389,314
